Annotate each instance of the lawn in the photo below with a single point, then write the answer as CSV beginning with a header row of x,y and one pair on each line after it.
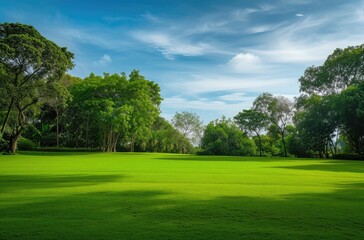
x,y
166,196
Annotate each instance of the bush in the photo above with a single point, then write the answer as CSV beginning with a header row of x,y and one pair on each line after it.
x,y
3,145
26,144
349,157
63,149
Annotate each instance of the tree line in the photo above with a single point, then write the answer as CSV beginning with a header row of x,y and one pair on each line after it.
x,y
325,120
42,106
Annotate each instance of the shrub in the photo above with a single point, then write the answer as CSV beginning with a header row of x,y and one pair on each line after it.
x,y
26,144
349,157
63,149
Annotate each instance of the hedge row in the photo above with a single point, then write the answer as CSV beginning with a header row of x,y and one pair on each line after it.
x,y
349,157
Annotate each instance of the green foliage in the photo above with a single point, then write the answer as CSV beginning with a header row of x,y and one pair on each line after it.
x,y
65,149
349,106
223,137
278,110
165,138
253,121
26,144
106,110
316,123
349,157
30,66
344,67
190,125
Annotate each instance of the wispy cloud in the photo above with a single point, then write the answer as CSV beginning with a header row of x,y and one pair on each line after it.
x,y
171,46
299,15
221,107
152,18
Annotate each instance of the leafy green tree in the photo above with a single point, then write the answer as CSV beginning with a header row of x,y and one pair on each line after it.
x,y
190,125
223,137
30,65
278,110
349,106
165,138
113,108
316,123
253,121
344,67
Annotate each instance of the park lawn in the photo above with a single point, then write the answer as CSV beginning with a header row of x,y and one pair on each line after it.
x,y
168,196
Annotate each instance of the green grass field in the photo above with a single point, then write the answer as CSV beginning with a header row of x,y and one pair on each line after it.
x,y
166,196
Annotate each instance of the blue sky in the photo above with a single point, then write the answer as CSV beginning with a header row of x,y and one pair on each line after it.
x,y
210,57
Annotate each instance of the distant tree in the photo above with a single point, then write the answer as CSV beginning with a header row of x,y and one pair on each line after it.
x,y
253,121
190,125
164,137
278,110
223,137
30,65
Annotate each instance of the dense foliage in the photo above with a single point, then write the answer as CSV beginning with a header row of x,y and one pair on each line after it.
x,y
30,67
223,137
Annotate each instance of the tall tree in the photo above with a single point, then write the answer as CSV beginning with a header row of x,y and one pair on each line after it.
x,y
116,108
349,106
253,121
316,123
30,65
189,124
278,110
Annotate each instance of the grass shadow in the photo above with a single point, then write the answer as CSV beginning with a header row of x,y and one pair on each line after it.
x,y
213,158
331,166
11,183
154,214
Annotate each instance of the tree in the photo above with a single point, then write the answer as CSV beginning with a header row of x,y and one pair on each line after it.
x,y
190,125
109,109
316,124
223,137
30,65
165,138
349,106
278,110
341,69
253,122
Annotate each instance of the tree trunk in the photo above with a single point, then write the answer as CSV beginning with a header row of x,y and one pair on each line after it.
x,y
57,123
132,144
284,144
14,141
87,129
7,116
260,145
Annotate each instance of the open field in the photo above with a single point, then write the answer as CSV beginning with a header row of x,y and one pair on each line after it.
x,y
166,196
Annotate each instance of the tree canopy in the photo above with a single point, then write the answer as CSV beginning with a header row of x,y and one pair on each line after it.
x,y
30,65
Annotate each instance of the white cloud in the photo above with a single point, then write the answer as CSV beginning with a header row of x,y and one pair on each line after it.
x,y
202,84
171,46
245,62
299,15
237,96
103,61
262,29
